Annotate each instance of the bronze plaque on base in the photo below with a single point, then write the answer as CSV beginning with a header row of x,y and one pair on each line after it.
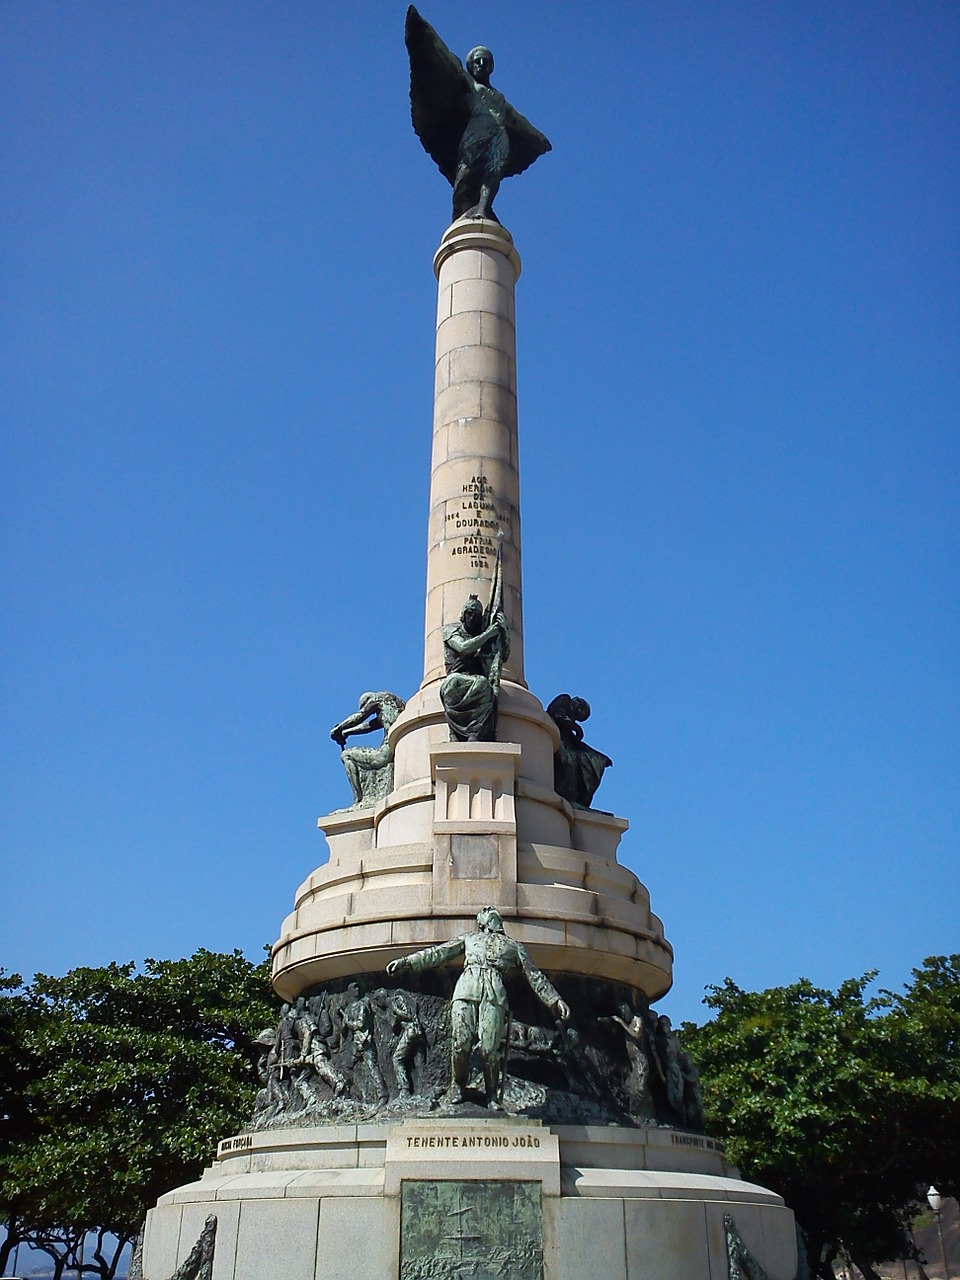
x,y
481,1230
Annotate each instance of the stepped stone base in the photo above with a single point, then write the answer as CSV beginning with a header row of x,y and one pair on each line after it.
x,y
476,829
624,1204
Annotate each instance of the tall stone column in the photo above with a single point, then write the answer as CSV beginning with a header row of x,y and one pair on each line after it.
x,y
475,481
474,510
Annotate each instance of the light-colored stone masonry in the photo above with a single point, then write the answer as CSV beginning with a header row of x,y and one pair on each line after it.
x,y
475,477
469,824
477,823
628,1203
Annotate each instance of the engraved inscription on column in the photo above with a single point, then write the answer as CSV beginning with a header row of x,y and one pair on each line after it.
x,y
473,521
476,1229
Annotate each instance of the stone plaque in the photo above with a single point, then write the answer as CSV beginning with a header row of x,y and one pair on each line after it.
x,y
484,1230
474,857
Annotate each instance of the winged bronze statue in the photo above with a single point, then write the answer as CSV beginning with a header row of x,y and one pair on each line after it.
x,y
467,126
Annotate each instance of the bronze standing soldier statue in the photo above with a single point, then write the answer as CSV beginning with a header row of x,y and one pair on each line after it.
x,y
479,1011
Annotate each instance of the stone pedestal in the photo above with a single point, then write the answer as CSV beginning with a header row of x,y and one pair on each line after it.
x,y
475,825
475,831
622,1204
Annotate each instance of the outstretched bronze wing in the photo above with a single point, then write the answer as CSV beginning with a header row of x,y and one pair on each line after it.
x,y
526,143
439,95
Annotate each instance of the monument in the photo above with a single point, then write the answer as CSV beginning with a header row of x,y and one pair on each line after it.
x,y
467,1078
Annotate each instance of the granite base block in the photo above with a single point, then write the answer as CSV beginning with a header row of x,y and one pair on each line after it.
x,y
623,1204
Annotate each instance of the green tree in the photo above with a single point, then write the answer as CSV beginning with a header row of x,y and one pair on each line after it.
x,y
843,1103
132,1079
15,1075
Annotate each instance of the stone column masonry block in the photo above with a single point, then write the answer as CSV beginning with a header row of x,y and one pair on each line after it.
x,y
475,485
475,786
475,824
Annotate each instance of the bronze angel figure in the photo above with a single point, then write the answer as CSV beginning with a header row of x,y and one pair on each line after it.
x,y
466,125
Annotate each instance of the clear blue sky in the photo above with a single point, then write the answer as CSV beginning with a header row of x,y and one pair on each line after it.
x,y
738,342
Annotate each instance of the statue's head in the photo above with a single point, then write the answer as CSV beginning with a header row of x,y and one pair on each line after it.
x,y
490,920
366,699
471,616
580,708
480,64
625,1012
663,1023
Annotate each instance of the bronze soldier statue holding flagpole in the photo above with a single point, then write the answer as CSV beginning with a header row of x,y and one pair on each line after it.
x,y
474,650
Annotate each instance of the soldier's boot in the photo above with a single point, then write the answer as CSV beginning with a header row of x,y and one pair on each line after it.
x,y
460,1065
491,1081
331,1076
403,1080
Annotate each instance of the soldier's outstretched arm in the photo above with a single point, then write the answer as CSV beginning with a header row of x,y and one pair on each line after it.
x,y
620,1022
429,957
542,987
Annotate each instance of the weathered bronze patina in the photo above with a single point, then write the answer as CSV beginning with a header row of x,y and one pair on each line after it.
x,y
479,1011
369,769
577,768
359,1050
476,1228
198,1264
741,1263
466,125
474,650
637,1039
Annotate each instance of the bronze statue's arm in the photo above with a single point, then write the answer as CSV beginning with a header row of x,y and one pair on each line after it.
x,y
429,957
355,724
542,987
500,622
612,1017
473,644
357,718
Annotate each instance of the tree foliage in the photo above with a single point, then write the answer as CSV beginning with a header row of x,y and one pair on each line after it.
x,y
127,1079
846,1104
15,1020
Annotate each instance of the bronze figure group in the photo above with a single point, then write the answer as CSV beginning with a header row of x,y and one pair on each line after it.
x,y
349,1054
325,1053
